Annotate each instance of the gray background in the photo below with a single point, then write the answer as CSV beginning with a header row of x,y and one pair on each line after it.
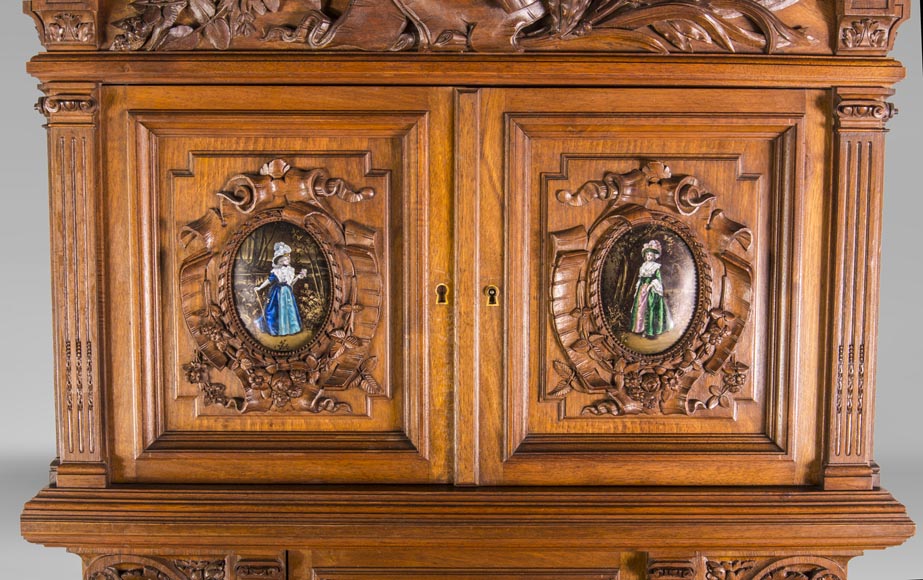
x,y
27,427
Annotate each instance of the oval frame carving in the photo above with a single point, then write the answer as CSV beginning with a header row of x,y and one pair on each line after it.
x,y
338,285
619,226
595,363
339,356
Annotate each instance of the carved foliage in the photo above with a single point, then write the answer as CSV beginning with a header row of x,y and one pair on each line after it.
x,y
464,25
64,30
70,27
798,568
337,358
183,24
147,568
672,25
728,570
597,359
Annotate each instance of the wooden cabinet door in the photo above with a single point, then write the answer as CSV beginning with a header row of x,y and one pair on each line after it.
x,y
271,257
656,257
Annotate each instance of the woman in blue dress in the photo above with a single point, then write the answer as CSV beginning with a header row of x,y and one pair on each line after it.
x,y
281,316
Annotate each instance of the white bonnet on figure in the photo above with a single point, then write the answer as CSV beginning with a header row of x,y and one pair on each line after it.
x,y
281,249
651,246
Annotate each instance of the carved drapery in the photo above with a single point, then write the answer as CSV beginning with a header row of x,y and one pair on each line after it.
x,y
71,112
300,377
596,361
861,116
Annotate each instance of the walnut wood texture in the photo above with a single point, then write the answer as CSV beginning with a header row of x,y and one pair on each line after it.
x,y
71,110
173,426
861,118
735,141
659,26
466,207
343,530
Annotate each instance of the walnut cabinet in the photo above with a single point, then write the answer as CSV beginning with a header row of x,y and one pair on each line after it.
x,y
394,289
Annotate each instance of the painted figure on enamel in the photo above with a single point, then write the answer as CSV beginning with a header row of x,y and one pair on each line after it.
x,y
281,282
650,313
280,314
648,290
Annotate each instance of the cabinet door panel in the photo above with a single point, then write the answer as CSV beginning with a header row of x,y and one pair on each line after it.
x,y
651,260
267,243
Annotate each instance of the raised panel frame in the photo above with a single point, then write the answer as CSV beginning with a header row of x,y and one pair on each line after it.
x,y
368,446
787,450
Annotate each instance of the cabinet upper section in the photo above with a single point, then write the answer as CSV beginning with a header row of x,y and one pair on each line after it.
x,y
802,27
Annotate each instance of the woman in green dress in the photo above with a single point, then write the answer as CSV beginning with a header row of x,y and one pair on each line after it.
x,y
650,314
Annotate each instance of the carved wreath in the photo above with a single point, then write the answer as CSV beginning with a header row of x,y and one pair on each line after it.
x,y
597,361
302,378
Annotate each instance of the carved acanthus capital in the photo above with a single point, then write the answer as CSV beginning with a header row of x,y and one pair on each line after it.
x,y
65,25
869,30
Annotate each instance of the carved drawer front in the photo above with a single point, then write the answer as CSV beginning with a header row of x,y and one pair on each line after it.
x,y
659,286
271,256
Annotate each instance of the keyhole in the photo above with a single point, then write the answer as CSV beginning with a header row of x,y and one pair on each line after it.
x,y
442,294
493,295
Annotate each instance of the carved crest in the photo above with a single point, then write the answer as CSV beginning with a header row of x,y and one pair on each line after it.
x,y
279,291
652,298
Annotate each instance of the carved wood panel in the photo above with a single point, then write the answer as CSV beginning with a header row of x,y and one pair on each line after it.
x,y
286,314
716,207
660,26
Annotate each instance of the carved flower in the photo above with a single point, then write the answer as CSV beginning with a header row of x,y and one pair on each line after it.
x,y
735,376
196,372
216,334
645,390
259,381
718,329
670,380
299,377
283,390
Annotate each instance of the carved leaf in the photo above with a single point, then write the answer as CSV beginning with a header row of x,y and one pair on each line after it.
x,y
563,389
218,33
563,369
202,10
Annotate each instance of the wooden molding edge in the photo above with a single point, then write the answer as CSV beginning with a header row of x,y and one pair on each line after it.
x,y
325,517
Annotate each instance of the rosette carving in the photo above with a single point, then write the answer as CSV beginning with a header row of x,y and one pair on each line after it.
x,y
611,313
237,328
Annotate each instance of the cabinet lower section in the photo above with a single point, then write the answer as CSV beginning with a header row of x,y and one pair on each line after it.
x,y
423,533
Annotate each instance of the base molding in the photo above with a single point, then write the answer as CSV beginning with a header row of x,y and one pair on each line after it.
x,y
386,533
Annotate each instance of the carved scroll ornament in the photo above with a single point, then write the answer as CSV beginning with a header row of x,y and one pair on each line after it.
x,y
462,25
610,306
279,291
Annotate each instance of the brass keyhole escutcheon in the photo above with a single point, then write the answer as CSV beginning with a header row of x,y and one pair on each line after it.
x,y
493,295
442,294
